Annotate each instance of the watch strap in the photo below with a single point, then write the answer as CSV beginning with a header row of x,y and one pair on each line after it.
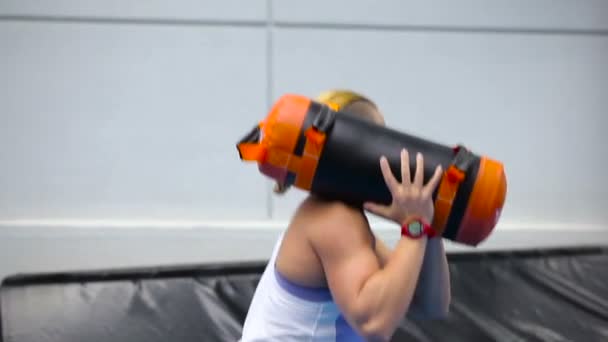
x,y
427,229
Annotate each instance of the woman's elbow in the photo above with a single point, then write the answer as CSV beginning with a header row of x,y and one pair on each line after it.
x,y
442,310
377,331
435,311
445,307
439,312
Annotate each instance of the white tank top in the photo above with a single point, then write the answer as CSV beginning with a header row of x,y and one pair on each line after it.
x,y
283,311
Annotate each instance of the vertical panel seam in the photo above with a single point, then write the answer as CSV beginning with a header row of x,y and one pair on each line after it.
x,y
269,93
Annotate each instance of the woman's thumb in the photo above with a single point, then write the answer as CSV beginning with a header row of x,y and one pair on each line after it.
x,y
377,209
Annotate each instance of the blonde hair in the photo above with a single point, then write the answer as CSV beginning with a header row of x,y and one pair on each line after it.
x,y
337,99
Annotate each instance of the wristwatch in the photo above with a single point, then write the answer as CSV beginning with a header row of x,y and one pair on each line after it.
x,y
416,227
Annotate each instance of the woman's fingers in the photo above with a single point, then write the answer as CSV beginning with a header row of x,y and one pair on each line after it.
x,y
432,184
419,176
406,178
389,178
418,182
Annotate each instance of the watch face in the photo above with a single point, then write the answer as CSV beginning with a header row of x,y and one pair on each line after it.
x,y
415,228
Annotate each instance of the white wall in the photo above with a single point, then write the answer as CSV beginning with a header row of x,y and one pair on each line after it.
x,y
120,118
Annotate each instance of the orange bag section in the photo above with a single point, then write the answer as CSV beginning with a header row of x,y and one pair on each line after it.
x,y
280,132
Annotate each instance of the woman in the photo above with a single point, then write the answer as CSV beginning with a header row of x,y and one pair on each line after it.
x,y
330,279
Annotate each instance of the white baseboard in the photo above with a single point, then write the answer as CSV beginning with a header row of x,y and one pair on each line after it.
x,y
62,245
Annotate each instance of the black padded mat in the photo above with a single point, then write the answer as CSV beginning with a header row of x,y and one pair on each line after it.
x,y
540,295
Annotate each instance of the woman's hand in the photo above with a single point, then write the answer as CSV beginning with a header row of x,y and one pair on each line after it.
x,y
409,198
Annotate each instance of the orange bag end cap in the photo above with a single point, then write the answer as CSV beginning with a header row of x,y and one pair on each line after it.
x,y
485,203
252,152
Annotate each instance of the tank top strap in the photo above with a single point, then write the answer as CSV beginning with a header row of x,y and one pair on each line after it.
x,y
277,247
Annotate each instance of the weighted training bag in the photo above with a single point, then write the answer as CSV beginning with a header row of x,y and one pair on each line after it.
x,y
307,144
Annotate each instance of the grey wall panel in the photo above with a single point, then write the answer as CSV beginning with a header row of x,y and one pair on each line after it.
x,y
517,14
535,102
214,10
128,121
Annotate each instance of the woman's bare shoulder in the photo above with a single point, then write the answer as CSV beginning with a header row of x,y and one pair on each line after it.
x,y
330,218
